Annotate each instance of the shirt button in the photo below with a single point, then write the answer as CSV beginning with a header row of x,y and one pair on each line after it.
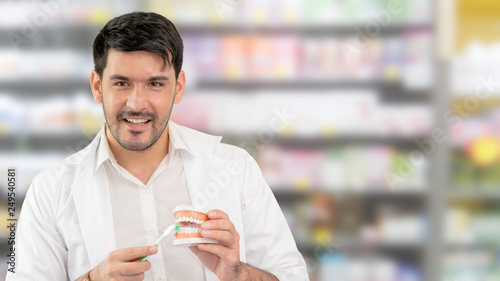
x,y
160,278
145,190
151,231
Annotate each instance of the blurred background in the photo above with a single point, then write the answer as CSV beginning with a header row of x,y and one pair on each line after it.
x,y
375,122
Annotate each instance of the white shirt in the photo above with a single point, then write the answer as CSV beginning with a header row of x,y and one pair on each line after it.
x,y
141,212
66,226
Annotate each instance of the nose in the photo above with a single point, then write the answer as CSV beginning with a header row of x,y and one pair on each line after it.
x,y
137,98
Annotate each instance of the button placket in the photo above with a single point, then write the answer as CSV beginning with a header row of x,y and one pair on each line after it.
x,y
149,214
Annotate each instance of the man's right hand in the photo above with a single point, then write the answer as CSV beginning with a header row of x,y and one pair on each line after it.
x,y
124,264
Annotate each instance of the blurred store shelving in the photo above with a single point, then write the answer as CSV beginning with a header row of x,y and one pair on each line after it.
x,y
357,79
470,232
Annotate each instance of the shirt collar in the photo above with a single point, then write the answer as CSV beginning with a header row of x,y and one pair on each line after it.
x,y
104,152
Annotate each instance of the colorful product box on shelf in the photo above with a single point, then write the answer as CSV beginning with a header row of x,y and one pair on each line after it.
x,y
392,58
205,53
278,57
398,226
318,58
475,71
418,71
12,114
475,174
471,264
347,268
469,224
53,65
355,168
234,50
72,114
188,13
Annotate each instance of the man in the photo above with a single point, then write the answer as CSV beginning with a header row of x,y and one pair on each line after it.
x,y
92,216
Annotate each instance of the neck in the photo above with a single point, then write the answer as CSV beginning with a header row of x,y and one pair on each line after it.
x,y
141,164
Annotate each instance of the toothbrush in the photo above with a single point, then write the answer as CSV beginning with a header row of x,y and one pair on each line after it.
x,y
167,232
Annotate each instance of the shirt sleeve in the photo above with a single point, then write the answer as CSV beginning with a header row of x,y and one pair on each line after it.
x,y
40,251
268,240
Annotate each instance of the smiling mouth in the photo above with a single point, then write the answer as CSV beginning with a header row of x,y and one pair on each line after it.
x,y
137,121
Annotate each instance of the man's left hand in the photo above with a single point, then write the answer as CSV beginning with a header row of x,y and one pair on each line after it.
x,y
223,258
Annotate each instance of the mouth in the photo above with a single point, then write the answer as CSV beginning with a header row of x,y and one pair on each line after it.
x,y
189,222
136,121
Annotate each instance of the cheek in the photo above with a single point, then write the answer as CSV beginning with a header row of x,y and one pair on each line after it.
x,y
114,101
162,104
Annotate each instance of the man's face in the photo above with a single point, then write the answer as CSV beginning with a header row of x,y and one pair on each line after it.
x,y
137,97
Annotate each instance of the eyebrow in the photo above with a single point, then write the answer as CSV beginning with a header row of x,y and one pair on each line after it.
x,y
159,78
153,78
119,77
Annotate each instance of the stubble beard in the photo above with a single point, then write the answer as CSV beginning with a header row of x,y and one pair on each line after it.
x,y
136,145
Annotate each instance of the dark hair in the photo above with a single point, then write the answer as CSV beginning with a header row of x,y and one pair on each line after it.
x,y
139,31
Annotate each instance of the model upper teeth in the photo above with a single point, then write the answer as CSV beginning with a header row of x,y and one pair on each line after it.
x,y
137,121
188,219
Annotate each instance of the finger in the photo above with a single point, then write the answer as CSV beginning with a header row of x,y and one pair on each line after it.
x,y
226,238
217,214
218,224
224,253
133,268
134,253
137,277
219,220
194,249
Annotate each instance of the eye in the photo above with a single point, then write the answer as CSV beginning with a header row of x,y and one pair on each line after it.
x,y
121,83
156,84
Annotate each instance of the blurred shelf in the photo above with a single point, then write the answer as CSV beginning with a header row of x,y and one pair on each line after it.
x,y
349,140
472,245
50,141
474,194
404,143
388,90
34,87
290,193
53,36
354,244
300,29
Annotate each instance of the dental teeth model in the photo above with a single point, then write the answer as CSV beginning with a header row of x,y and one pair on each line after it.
x,y
188,222
187,226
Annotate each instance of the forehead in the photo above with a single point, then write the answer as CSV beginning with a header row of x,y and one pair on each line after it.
x,y
136,64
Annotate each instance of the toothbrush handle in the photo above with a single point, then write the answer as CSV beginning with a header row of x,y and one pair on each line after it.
x,y
145,257
167,232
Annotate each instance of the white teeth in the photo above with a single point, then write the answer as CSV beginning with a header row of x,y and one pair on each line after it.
x,y
187,229
137,121
188,219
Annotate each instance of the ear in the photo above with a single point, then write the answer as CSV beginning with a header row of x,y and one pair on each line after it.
x,y
180,87
95,86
